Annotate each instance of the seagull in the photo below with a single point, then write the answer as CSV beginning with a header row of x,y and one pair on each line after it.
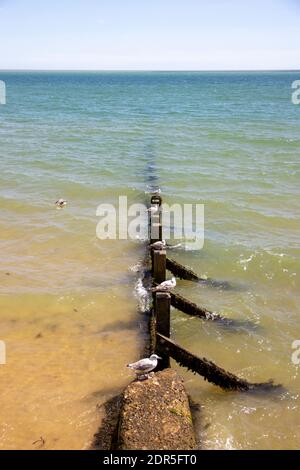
x,y
160,245
165,286
144,366
153,209
60,203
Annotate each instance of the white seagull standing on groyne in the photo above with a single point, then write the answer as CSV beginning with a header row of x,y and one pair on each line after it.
x,y
165,286
153,209
144,366
160,245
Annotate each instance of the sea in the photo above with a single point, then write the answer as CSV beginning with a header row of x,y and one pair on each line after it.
x,y
70,316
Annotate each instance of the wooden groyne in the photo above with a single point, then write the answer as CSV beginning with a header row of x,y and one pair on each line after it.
x,y
155,413
161,320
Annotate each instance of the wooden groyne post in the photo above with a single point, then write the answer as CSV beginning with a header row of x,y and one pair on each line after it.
x,y
155,413
162,313
161,300
159,266
155,225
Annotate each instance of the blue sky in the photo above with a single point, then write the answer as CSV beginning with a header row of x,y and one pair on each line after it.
x,y
150,34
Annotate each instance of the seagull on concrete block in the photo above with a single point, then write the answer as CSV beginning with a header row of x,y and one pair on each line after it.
x,y
144,366
165,286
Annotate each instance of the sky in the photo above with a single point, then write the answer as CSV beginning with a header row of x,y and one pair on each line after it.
x,y
150,34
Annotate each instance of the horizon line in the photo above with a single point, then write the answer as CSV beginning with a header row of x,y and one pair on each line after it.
x,y
144,70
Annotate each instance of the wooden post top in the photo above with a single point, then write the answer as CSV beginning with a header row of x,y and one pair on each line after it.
x,y
156,200
163,295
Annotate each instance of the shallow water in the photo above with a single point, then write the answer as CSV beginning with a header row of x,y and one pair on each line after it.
x,y
68,314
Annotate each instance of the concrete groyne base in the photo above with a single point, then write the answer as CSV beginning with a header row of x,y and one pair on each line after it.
x,y
155,415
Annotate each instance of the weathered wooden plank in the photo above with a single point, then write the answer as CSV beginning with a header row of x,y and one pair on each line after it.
x,y
191,308
180,271
207,369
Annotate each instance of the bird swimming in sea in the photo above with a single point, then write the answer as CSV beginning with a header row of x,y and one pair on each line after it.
x,y
165,286
159,245
60,203
144,366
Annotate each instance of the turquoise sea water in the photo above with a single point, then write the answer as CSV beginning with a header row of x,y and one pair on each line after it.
x,y
227,140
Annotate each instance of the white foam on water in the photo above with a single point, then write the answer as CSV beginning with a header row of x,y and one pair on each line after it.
x,y
142,295
135,268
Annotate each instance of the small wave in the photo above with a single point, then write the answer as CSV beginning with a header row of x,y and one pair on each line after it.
x,y
229,443
136,268
222,443
272,253
142,295
150,189
246,261
248,410
190,247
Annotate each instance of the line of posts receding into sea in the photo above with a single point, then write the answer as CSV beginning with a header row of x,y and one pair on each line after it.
x,y
154,412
